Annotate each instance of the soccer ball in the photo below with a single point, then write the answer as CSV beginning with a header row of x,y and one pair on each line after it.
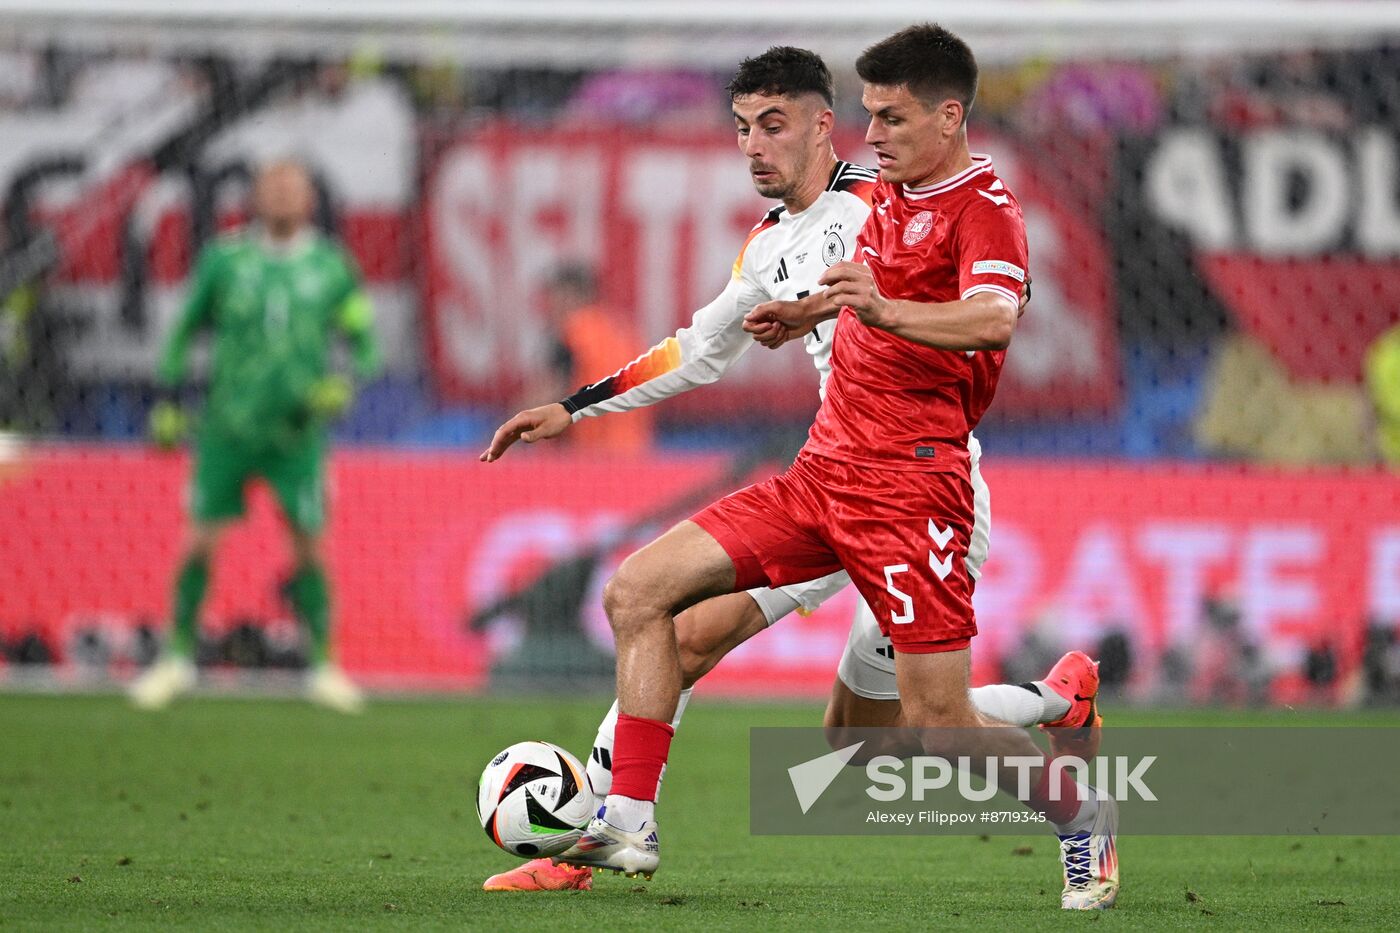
x,y
534,800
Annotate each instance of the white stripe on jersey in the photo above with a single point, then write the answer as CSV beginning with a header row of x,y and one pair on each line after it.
x,y
1002,290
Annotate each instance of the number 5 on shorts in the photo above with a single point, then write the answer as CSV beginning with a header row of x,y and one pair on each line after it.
x,y
907,616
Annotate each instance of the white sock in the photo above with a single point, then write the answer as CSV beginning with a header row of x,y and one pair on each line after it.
x,y
1056,706
627,813
1009,703
680,707
1083,820
599,765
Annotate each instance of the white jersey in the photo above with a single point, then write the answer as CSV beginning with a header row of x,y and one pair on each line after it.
x,y
781,260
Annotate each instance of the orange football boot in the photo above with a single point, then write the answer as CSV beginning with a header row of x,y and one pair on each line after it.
x,y
541,875
1076,678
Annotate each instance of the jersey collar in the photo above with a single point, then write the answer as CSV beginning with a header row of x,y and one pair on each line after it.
x,y
300,242
981,162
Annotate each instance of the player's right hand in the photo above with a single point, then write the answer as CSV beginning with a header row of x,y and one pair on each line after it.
x,y
167,425
533,424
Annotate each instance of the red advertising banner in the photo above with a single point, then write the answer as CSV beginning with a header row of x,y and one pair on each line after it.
x,y
89,538
662,218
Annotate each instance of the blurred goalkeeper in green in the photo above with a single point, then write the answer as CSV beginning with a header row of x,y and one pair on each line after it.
x,y
273,298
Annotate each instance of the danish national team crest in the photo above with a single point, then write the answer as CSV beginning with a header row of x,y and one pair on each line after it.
x,y
918,227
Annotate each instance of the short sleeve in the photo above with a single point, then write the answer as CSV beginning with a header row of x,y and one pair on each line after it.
x,y
991,253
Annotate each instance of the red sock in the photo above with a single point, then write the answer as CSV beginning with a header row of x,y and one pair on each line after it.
x,y
640,747
1059,811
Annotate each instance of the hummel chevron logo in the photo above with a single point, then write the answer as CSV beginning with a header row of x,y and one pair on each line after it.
x,y
997,199
940,536
811,778
782,272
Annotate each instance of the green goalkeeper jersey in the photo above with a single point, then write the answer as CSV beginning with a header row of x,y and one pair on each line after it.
x,y
273,313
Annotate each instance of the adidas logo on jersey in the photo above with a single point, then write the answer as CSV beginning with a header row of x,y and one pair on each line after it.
x,y
782,272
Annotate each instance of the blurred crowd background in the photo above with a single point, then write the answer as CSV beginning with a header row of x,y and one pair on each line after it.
x,y
1192,455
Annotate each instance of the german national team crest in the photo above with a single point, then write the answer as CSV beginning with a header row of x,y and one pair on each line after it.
x,y
918,227
833,249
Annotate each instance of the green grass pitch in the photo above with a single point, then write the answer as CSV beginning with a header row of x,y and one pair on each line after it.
x,y
259,814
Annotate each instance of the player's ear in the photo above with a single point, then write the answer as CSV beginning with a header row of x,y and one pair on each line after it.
x,y
953,116
826,122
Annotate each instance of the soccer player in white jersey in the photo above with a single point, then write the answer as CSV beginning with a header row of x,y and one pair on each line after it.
x,y
782,103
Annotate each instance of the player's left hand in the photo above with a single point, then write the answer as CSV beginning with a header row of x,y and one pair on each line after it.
x,y
329,396
852,285
533,424
774,323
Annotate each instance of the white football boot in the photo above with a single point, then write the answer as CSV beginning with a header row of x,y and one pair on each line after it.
x,y
166,679
328,686
603,845
1091,862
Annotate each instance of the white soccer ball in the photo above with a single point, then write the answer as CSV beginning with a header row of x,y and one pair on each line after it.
x,y
534,800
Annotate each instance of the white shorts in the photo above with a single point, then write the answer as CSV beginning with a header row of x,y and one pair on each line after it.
x,y
867,664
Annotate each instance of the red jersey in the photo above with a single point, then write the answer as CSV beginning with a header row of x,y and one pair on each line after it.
x,y
895,404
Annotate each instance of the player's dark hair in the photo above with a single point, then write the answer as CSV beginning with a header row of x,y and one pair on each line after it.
x,y
930,61
783,71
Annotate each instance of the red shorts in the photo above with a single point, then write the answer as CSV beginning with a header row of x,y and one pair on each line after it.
x,y
902,537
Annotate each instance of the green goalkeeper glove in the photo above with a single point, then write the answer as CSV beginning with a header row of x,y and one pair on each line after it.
x,y
167,425
329,396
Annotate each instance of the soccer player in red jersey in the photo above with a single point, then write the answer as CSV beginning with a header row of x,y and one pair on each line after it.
x,y
782,111
881,488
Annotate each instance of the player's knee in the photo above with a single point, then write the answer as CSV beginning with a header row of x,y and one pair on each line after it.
x,y
615,597
628,596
